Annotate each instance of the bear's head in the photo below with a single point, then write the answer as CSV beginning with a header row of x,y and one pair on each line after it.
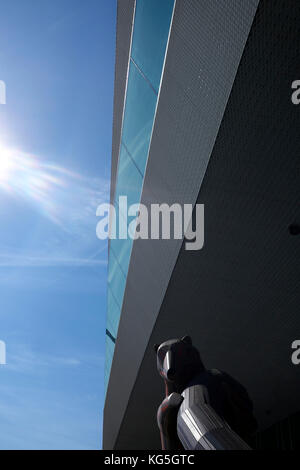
x,y
178,361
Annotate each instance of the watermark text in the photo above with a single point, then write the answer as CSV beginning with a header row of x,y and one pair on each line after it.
x,y
2,92
296,354
2,353
296,94
159,222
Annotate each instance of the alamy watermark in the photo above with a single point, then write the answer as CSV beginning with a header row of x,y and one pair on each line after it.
x,y
296,354
2,353
296,93
2,92
160,221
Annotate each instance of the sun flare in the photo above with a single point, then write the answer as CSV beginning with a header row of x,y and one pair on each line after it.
x,y
49,187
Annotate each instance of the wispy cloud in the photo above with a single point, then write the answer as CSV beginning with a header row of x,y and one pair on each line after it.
x,y
40,414
13,260
22,359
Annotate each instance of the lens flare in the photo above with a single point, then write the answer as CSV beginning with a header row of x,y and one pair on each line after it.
x,y
60,195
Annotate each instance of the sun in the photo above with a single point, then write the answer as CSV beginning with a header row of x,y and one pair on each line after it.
x,y
6,163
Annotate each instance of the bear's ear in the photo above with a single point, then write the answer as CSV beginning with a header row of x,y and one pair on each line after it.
x,y
187,340
156,346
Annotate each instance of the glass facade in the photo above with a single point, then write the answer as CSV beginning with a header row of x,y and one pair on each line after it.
x,y
149,40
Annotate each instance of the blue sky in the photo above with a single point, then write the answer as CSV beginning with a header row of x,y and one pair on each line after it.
x,y
57,60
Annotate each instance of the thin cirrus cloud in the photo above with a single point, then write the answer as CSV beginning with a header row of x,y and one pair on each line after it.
x,y
13,260
24,360
64,198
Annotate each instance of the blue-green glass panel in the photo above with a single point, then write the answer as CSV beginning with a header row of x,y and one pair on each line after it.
x,y
150,36
122,251
116,280
113,316
151,29
129,179
138,117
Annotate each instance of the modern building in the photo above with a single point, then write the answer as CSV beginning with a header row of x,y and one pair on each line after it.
x,y
203,114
